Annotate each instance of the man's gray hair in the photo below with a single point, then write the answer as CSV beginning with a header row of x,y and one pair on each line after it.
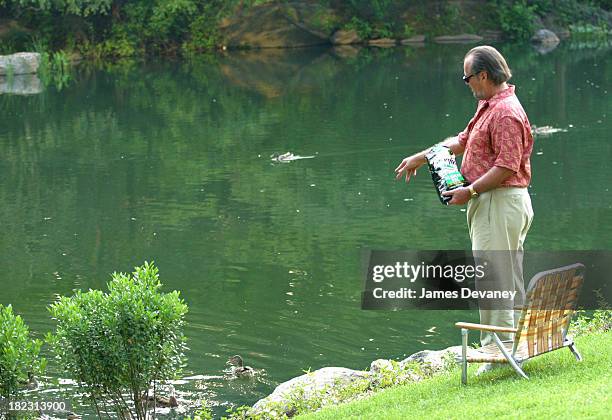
x,y
487,58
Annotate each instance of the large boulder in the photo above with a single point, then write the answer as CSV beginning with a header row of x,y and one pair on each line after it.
x,y
492,35
383,42
23,84
438,359
19,63
345,37
310,386
544,36
544,41
416,39
458,39
279,25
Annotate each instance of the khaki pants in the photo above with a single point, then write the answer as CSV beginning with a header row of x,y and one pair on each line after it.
x,y
498,220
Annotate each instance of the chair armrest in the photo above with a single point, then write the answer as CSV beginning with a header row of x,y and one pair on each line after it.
x,y
482,327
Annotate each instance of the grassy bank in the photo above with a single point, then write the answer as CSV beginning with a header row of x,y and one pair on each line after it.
x,y
559,387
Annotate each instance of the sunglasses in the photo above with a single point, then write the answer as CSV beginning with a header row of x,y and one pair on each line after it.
x,y
466,79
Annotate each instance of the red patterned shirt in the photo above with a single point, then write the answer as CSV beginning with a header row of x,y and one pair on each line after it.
x,y
499,134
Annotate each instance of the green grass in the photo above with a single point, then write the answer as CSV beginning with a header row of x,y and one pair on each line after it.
x,y
559,387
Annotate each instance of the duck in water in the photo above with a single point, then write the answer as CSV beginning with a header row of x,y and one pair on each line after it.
x,y
546,130
163,401
31,383
288,157
238,368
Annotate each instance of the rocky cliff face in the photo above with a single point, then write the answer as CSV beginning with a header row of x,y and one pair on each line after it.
x,y
278,25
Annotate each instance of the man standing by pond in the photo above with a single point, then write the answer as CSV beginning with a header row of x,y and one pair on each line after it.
x,y
496,145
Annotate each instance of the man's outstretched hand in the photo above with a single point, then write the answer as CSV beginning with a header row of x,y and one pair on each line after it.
x,y
408,165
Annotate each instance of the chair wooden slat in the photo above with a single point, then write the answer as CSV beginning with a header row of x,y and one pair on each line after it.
x,y
556,335
541,340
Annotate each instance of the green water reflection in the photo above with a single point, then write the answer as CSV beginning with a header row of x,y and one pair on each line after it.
x,y
171,162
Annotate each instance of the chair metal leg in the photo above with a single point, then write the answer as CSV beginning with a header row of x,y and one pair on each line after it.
x,y
574,350
464,340
508,357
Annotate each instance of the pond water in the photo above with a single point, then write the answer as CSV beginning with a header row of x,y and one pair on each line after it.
x,y
171,162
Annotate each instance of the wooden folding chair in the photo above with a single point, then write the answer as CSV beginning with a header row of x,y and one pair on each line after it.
x,y
550,302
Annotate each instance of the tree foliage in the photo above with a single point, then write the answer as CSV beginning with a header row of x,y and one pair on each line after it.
x,y
120,28
76,7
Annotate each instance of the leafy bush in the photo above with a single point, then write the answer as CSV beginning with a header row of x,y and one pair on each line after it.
x,y
202,413
408,31
542,7
363,28
325,22
118,345
516,18
371,9
588,31
375,18
203,32
384,30
116,47
18,353
444,18
599,321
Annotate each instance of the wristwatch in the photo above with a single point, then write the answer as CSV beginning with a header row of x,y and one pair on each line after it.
x,y
473,192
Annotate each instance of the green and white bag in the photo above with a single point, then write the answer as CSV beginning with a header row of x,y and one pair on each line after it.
x,y
444,171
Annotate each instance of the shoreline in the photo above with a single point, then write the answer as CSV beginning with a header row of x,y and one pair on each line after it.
x,y
102,33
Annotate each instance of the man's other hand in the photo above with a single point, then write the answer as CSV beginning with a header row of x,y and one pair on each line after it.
x,y
459,196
